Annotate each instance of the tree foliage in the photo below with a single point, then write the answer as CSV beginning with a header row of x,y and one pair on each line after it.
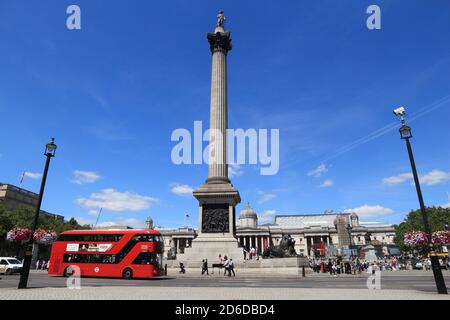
x,y
438,217
23,217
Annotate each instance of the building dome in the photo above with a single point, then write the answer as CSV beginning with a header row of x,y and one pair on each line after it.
x,y
354,219
248,217
149,223
248,213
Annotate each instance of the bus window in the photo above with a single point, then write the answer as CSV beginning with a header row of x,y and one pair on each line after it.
x,y
146,258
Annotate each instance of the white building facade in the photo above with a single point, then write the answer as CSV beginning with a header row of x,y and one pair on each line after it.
x,y
314,234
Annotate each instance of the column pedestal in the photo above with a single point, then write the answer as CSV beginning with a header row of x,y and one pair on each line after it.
x,y
217,226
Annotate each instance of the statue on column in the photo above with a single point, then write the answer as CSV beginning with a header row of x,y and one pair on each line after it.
x,y
220,19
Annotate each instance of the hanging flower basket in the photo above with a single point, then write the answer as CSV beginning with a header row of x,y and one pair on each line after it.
x,y
415,238
40,236
441,237
419,238
18,235
43,236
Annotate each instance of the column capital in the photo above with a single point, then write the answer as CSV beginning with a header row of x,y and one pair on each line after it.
x,y
219,41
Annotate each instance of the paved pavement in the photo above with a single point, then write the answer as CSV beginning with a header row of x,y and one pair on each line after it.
x,y
394,285
198,293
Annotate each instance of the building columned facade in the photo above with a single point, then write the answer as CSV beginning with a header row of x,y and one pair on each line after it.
x,y
314,234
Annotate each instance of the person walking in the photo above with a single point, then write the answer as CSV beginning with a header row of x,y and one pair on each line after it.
x,y
226,266
330,267
205,267
37,264
231,268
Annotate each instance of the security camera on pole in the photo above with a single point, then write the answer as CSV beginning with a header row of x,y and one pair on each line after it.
x,y
405,134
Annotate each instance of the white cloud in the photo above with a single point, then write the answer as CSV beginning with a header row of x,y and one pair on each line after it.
x,y
82,177
93,212
327,183
113,200
267,216
265,197
367,211
129,222
182,189
435,177
317,172
431,178
234,170
393,180
33,175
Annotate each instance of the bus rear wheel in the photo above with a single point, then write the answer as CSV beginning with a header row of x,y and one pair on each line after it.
x,y
127,274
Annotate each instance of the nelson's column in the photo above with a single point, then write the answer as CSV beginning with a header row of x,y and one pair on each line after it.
x,y
217,197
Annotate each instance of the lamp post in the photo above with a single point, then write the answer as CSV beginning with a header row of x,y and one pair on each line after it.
x,y
50,149
405,134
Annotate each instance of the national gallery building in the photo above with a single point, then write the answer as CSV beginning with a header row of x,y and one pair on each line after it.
x,y
314,234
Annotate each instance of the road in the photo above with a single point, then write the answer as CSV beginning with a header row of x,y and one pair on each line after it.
x,y
400,280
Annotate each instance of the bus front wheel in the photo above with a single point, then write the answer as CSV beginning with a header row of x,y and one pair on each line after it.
x,y
127,274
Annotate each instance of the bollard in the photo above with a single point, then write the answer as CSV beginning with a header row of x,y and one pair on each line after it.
x,y
303,272
165,269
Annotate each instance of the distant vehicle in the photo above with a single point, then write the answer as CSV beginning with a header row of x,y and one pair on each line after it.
x,y
108,253
9,265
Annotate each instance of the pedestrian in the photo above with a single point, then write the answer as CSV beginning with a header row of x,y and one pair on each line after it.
x,y
37,264
330,267
245,254
205,267
182,269
226,266
252,253
334,269
231,268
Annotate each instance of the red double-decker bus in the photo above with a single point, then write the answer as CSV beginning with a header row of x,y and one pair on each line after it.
x,y
108,253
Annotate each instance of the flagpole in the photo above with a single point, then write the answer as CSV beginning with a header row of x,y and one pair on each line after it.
x,y
98,216
21,178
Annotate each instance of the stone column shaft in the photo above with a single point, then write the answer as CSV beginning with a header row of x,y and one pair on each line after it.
x,y
218,119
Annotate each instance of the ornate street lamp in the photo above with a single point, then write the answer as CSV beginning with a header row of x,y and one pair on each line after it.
x,y
405,134
50,149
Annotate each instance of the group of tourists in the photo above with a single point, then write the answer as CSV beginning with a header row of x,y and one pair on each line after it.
x,y
42,264
226,263
251,254
337,266
357,265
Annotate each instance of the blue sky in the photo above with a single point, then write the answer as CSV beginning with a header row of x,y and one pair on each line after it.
x,y
113,92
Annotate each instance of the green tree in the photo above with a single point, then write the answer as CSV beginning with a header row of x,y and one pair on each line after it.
x,y
437,217
23,217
